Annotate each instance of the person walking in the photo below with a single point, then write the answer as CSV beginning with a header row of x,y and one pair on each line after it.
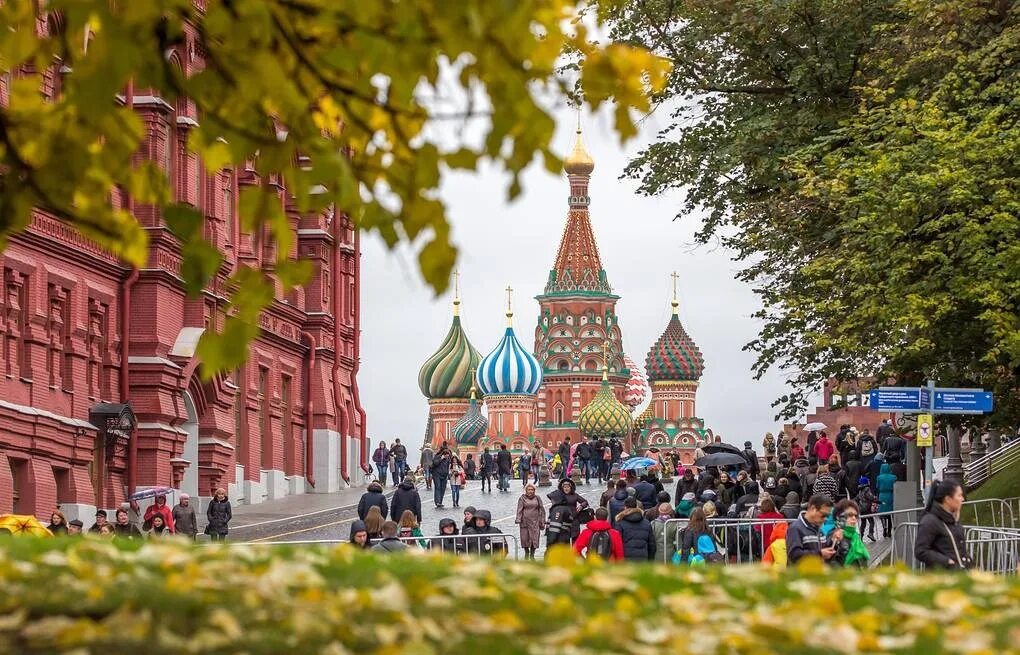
x,y
185,521
824,448
381,459
566,505
470,467
374,495
427,455
524,466
218,516
867,449
487,468
751,457
825,484
405,498
886,486
373,523
768,447
582,458
399,453
531,518
664,533
504,467
635,532
941,541
441,475
457,479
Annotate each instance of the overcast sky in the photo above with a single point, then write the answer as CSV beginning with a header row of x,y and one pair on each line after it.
x,y
515,243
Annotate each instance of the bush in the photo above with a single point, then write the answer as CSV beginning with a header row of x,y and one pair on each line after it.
x,y
85,596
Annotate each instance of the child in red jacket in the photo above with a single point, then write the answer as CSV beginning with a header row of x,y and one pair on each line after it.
x,y
599,538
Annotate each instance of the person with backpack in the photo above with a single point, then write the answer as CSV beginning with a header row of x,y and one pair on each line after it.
x,y
599,538
563,526
636,532
867,449
531,518
698,543
751,457
524,466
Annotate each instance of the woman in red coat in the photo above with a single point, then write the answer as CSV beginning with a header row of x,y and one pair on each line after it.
x,y
160,507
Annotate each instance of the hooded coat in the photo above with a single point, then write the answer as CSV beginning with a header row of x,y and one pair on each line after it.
x,y
886,484
564,509
218,515
452,546
791,508
645,492
593,526
615,505
356,527
531,518
636,533
404,498
160,507
476,540
374,496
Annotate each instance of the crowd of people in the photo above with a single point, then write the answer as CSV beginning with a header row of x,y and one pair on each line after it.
x,y
818,499
158,520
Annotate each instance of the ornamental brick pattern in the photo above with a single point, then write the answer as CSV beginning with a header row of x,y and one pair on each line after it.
x,y
62,348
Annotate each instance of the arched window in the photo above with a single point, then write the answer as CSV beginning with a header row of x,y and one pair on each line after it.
x,y
563,365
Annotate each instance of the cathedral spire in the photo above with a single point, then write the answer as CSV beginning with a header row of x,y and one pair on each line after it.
x,y
578,266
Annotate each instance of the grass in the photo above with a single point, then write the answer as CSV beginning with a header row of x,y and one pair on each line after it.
x,y
1004,484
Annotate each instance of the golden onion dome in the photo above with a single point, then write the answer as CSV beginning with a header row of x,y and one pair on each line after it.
x,y
579,162
604,416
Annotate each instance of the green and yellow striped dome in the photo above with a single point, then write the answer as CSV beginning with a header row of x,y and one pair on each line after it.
x,y
448,373
604,416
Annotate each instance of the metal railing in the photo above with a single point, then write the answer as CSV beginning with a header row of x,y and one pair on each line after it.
x,y
989,549
496,543
744,539
979,470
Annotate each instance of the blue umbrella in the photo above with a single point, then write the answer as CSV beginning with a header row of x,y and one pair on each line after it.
x,y
637,463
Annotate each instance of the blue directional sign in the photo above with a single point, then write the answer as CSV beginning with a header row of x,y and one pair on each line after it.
x,y
925,398
896,399
963,401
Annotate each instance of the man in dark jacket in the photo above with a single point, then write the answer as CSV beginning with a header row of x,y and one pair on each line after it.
x,y
582,457
749,499
440,475
427,456
504,467
374,496
636,532
615,451
404,498
867,449
751,457
685,485
487,468
564,453
884,431
645,492
598,457
399,453
615,504
804,537
895,448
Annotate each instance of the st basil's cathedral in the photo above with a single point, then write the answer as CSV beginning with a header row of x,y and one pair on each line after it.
x,y
578,382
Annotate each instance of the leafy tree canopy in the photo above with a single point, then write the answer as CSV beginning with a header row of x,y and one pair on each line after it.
x,y
333,96
861,158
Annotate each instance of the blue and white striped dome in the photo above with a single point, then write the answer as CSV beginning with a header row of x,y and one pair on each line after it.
x,y
509,369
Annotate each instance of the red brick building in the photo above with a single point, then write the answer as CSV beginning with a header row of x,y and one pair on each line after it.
x,y
78,328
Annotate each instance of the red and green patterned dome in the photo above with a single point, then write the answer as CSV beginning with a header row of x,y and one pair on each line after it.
x,y
674,357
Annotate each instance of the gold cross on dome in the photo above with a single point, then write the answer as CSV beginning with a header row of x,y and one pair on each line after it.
x,y
675,277
509,303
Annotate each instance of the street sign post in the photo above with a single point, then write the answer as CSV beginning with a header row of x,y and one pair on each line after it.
x,y
931,400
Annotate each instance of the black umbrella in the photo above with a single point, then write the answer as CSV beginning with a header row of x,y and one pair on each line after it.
x,y
721,448
721,459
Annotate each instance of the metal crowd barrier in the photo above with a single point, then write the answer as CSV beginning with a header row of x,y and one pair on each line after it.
x,y
991,549
461,544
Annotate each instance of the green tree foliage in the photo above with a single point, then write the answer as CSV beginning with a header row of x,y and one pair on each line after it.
x,y
332,96
861,158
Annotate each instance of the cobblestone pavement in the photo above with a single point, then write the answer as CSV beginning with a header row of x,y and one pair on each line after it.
x,y
334,524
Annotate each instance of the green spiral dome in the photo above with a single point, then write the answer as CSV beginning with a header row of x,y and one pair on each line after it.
x,y
447,373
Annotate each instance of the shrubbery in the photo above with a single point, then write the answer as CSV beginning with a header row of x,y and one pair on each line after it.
x,y
65,596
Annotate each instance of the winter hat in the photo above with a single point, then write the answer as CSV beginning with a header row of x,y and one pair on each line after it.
x,y
689,497
793,498
630,502
863,480
76,523
708,495
747,444
185,497
664,508
101,512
